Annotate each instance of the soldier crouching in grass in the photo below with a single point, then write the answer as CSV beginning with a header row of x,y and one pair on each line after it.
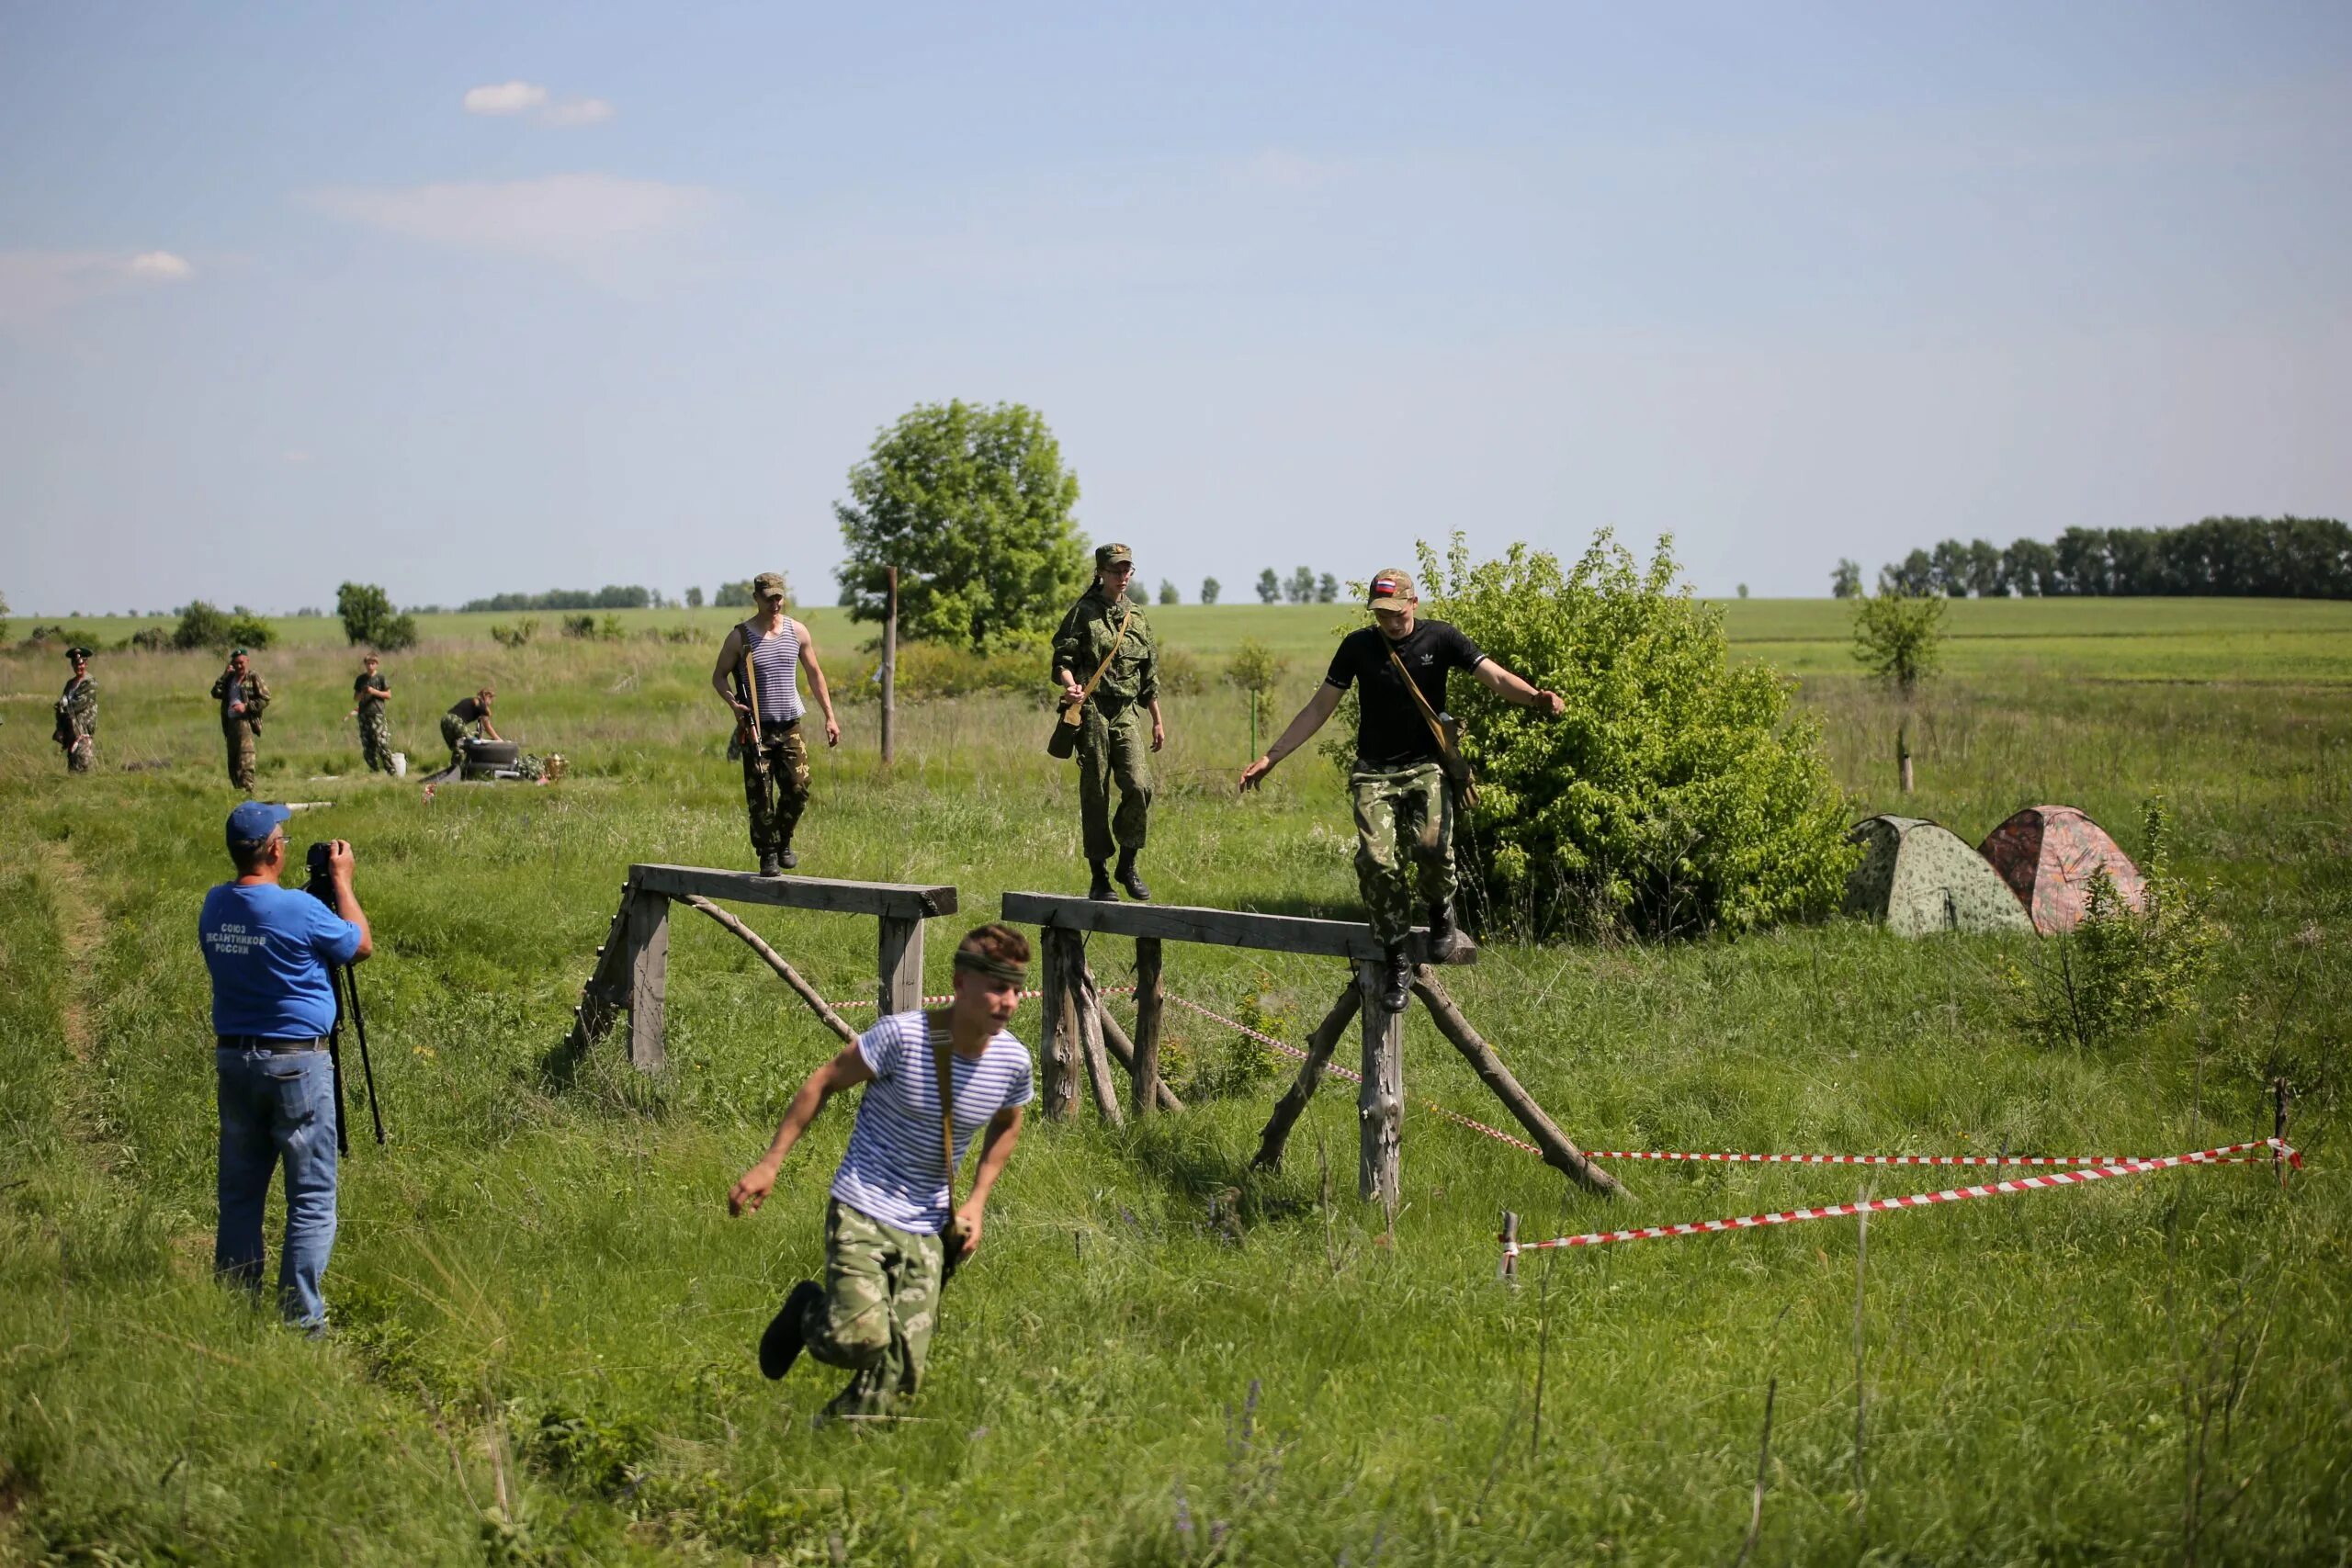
x,y
1404,807
468,719
893,1230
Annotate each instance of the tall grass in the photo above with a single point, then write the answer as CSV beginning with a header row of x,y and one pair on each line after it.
x,y
545,1318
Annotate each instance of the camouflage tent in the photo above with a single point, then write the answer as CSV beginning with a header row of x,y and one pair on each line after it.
x,y
1919,877
2049,854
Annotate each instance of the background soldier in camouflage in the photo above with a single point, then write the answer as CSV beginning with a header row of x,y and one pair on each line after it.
x,y
1114,745
1404,807
468,718
368,694
892,1216
77,715
242,697
776,764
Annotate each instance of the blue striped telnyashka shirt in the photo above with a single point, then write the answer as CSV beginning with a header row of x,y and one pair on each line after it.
x,y
775,661
893,1172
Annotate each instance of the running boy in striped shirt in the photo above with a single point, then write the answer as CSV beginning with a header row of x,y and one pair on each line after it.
x,y
892,1198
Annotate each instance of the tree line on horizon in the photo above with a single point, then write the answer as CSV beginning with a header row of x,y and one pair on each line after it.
x,y
2254,557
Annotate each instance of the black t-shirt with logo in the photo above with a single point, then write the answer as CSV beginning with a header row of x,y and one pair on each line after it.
x,y
1390,730
369,688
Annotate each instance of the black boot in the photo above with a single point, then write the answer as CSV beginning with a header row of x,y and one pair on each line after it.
x,y
1397,984
785,859
768,866
1448,943
780,1346
1101,886
1131,879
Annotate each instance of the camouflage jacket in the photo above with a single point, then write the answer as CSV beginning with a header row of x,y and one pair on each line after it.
x,y
255,696
77,710
1085,639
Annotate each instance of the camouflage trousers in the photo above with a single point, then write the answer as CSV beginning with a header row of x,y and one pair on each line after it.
x,y
238,733
82,753
880,1303
454,733
1114,748
777,794
376,739
1404,832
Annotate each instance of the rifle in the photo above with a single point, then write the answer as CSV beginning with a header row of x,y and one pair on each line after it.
x,y
341,980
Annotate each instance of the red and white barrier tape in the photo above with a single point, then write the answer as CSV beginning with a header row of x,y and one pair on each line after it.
x,y
1997,1160
943,1001
2228,1154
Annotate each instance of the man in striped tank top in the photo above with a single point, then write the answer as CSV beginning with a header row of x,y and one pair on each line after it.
x,y
758,677
893,1195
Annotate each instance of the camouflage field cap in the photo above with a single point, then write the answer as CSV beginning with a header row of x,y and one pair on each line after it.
x,y
768,582
1112,555
1394,590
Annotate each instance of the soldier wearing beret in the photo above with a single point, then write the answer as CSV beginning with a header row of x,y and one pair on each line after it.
x,y
758,677
77,715
1106,639
242,697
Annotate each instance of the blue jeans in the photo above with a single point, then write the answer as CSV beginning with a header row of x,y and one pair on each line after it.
x,y
273,1108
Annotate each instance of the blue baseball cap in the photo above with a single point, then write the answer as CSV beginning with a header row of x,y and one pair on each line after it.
x,y
252,822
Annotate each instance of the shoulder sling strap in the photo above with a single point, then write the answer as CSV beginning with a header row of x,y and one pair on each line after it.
x,y
1450,758
1070,713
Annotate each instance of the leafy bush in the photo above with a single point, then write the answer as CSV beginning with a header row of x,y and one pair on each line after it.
x,y
368,618
2119,971
1898,636
149,639
206,625
935,669
514,635
1180,672
1254,667
580,625
46,637
1680,793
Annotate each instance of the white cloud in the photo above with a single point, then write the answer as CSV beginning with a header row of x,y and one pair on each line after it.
x,y
572,218
506,97
576,112
36,284
161,266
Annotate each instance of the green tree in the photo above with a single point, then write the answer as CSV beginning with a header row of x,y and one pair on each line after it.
x,y
973,506
4,617
1846,583
1742,590
1681,791
1898,637
368,618
1326,589
1256,669
734,595
694,598
1300,588
1210,589
1270,587
1168,595
206,625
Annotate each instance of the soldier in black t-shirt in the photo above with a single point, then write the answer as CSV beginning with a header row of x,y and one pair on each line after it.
x,y
468,718
1404,810
369,691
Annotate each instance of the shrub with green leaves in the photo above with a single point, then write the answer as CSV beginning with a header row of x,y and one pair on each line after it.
x,y
207,626
368,616
1680,793
2122,970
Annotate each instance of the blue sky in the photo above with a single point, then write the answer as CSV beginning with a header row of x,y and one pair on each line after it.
x,y
468,298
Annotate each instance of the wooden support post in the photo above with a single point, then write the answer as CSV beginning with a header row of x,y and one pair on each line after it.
x,y
1123,1051
1151,1000
1088,1001
607,992
901,965
775,960
1558,1151
1059,1048
648,945
890,668
1509,1274
1320,1046
2279,1127
1380,1107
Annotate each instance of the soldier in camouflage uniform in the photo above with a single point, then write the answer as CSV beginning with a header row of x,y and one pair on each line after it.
x,y
1404,805
468,719
893,1229
242,697
758,675
77,715
370,692
1115,742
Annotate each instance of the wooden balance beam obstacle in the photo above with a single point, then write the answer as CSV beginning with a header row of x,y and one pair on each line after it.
x,y
633,966
1077,1027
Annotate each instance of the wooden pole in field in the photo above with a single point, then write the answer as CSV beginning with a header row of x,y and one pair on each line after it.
x,y
1559,1153
784,971
1149,1002
1380,1104
890,667
1123,1051
1060,1050
1088,999
1320,1046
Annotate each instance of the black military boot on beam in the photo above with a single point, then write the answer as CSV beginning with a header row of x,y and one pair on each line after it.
x,y
1101,886
1397,983
1131,879
768,865
785,859
1448,943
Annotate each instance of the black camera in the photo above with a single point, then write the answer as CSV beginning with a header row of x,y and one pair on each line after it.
x,y
321,883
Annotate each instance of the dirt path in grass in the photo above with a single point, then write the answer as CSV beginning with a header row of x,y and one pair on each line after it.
x,y
81,930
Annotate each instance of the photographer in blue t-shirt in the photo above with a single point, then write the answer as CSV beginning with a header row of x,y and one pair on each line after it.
x,y
270,949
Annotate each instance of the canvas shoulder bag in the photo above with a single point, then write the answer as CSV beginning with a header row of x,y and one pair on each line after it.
x,y
1063,742
1447,730
952,1239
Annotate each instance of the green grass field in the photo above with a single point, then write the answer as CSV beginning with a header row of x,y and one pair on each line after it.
x,y
545,1318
